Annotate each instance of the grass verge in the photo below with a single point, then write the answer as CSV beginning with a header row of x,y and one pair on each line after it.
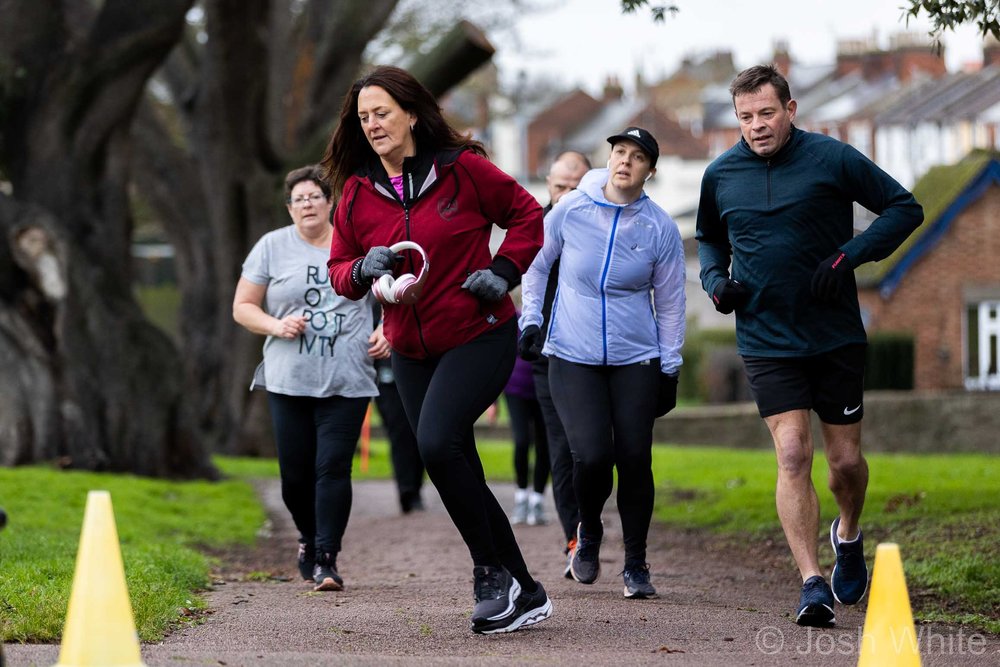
x,y
161,526
942,510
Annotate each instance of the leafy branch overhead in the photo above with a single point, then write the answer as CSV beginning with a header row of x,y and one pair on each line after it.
x,y
949,14
657,11
943,14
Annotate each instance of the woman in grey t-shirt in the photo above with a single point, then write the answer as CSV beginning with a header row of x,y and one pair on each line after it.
x,y
318,370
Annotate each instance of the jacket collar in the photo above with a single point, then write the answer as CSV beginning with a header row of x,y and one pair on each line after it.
x,y
793,138
420,172
592,184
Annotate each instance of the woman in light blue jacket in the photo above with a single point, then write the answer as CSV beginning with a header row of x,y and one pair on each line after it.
x,y
613,342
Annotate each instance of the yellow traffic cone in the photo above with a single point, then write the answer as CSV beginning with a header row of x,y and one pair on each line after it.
x,y
99,627
889,638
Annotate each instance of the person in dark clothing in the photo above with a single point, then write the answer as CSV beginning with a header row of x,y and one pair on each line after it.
x,y
405,175
527,427
564,175
780,203
407,468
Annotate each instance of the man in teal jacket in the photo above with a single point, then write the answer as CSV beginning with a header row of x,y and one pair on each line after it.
x,y
779,204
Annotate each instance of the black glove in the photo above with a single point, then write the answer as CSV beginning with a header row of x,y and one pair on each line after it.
x,y
529,345
377,263
486,285
830,276
729,296
667,399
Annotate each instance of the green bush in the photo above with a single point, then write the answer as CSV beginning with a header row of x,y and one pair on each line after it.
x,y
889,364
698,346
889,361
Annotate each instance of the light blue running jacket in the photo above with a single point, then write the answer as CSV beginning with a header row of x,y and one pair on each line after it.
x,y
620,297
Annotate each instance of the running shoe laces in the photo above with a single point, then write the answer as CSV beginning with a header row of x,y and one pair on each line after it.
x,y
815,604
637,585
849,580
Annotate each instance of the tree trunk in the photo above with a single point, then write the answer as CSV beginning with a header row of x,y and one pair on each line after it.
x,y
217,185
88,381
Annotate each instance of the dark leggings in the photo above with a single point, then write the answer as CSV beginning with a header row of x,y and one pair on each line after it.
x,y
443,396
560,457
316,438
527,427
608,413
407,467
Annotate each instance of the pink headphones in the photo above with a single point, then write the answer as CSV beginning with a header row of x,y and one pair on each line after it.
x,y
406,288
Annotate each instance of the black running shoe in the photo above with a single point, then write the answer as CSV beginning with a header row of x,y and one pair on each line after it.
x,y
410,501
529,608
325,574
494,591
307,559
815,604
849,580
637,586
585,565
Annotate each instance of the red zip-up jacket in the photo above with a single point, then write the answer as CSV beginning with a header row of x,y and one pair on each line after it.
x,y
451,200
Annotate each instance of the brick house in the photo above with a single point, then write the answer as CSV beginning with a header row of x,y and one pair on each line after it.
x,y
546,131
943,284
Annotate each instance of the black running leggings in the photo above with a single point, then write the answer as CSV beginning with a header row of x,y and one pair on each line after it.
x,y
560,457
528,427
443,396
608,413
316,438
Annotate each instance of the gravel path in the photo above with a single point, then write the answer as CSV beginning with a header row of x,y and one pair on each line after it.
x,y
408,600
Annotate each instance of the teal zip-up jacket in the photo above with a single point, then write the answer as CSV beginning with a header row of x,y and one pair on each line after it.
x,y
778,218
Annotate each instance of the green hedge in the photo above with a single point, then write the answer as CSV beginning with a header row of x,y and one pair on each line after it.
x,y
697,344
889,361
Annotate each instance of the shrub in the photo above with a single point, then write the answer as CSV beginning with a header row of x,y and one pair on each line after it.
x,y
712,370
889,361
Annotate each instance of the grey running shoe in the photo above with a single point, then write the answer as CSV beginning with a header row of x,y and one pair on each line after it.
x,y
586,562
529,608
536,513
325,575
494,591
307,559
849,580
520,513
815,604
637,586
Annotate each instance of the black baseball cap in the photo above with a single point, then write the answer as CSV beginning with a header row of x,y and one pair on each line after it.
x,y
642,137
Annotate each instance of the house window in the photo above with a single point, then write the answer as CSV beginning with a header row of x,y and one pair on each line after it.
x,y
981,345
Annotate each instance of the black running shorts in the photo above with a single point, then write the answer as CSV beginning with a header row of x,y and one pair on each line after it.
x,y
831,384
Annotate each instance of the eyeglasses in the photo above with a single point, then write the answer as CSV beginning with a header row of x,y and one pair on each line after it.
x,y
313,199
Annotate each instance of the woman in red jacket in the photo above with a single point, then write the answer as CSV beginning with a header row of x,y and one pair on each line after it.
x,y
403,174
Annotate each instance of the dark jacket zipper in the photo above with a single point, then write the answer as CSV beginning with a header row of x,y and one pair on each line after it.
x,y
416,316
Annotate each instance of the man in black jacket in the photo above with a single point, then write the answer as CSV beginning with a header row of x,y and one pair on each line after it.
x,y
780,204
564,175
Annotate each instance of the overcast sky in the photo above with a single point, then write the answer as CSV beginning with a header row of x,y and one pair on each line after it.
x,y
582,41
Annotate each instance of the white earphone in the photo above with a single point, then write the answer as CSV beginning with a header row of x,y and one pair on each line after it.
x,y
406,288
